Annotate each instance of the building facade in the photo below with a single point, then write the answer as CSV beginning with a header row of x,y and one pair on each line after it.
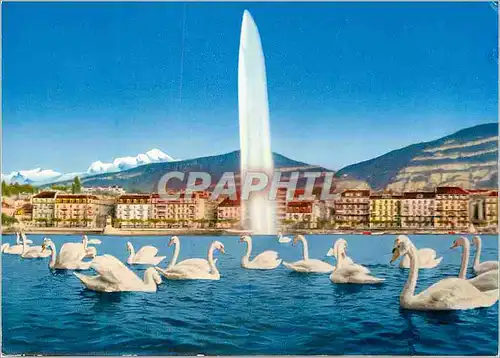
x,y
185,211
417,210
81,210
385,210
44,208
492,209
452,209
352,209
133,211
305,213
229,213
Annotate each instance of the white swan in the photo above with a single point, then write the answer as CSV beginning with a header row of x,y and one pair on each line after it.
x,y
349,273
447,294
486,281
70,257
202,263
14,249
283,239
482,267
195,272
333,252
307,264
145,256
91,251
426,259
266,260
33,252
18,240
114,276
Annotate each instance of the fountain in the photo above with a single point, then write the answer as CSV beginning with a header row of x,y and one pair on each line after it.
x,y
258,213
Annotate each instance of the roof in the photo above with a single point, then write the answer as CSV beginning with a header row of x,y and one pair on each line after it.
x,y
354,191
46,195
386,196
451,190
76,196
134,196
302,204
493,193
419,195
228,202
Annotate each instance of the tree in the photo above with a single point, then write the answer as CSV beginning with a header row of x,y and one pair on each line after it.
x,y
8,220
76,187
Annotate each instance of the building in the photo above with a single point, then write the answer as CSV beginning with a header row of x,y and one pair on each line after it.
x,y
385,210
452,208
81,210
133,211
112,190
417,210
186,211
492,209
352,209
44,208
229,213
305,214
281,200
24,214
8,208
477,206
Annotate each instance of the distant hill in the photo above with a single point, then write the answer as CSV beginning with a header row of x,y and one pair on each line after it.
x,y
467,158
145,178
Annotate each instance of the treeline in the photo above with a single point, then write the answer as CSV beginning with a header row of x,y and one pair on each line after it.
x,y
16,188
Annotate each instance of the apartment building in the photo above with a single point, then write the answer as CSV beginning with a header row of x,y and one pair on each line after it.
x,y
133,211
452,208
492,209
417,210
193,210
81,210
385,210
44,208
229,213
352,209
305,213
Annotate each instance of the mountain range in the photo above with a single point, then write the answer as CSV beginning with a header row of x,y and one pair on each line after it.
x,y
467,158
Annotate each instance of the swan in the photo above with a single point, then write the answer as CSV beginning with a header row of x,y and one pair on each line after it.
x,y
33,252
194,272
92,241
145,256
70,257
91,251
14,249
283,239
348,273
332,252
114,276
486,281
448,294
482,267
307,264
266,260
426,259
202,263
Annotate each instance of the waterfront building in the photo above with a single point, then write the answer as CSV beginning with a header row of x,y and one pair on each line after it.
x,y
186,211
112,190
8,208
417,210
229,213
385,210
352,209
477,206
81,210
492,209
305,213
281,200
44,208
133,211
452,208
24,214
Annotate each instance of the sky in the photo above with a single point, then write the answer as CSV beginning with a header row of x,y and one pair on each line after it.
x,y
346,81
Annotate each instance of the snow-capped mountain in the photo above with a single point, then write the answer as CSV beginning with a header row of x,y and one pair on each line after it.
x,y
40,176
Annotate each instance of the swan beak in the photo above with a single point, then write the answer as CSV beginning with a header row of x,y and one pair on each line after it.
x,y
43,247
395,255
222,251
453,246
169,243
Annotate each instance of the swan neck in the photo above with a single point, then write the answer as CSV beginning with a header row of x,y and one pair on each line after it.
x,y
53,255
305,248
465,260
340,258
149,280
477,257
177,249
132,252
211,262
18,240
249,250
411,283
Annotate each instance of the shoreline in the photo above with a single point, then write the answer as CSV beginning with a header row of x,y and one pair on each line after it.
x,y
110,231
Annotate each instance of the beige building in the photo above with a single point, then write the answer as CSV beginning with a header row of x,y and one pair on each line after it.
x,y
352,209
452,209
24,214
229,213
133,211
193,211
81,210
385,210
305,213
44,208
492,209
417,210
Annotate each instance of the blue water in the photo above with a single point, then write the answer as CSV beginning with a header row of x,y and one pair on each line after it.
x,y
246,312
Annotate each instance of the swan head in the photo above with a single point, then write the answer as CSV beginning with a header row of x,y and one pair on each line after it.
x,y
402,246
91,252
219,247
297,238
4,247
476,240
173,240
461,241
46,243
245,238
